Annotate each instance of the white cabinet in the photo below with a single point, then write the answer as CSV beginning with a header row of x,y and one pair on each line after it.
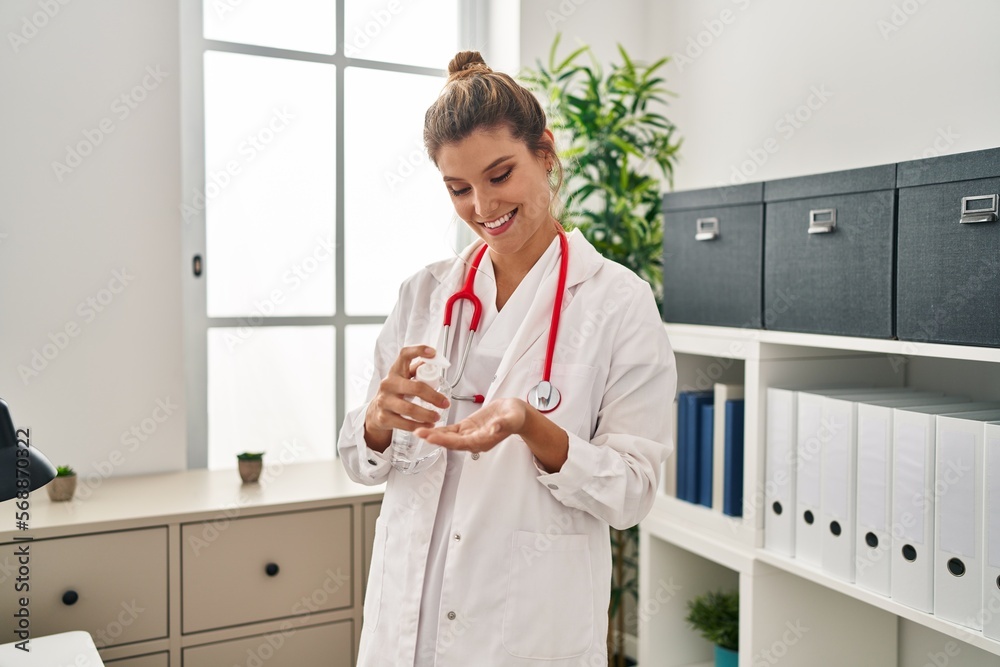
x,y
792,614
195,569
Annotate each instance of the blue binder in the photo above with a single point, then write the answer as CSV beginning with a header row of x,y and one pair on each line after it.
x,y
706,443
688,419
732,494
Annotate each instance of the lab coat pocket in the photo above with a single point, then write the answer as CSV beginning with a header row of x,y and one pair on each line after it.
x,y
550,597
373,594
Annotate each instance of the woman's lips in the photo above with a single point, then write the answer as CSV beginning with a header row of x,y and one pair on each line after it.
x,y
500,229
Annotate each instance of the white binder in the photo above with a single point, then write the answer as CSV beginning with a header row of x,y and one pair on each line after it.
x,y
811,433
838,478
873,537
991,532
779,471
958,557
913,507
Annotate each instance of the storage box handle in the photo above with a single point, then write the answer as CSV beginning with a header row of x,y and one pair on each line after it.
x,y
706,229
982,208
822,220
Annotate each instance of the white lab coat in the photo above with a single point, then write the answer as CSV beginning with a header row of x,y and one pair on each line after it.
x,y
528,574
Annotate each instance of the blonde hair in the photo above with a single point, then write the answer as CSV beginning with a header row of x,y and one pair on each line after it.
x,y
475,97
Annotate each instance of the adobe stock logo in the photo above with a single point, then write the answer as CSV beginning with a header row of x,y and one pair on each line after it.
x,y
30,25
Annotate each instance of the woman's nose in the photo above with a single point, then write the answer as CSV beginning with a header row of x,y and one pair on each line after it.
x,y
484,206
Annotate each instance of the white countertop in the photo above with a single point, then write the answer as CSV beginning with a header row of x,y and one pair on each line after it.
x,y
116,502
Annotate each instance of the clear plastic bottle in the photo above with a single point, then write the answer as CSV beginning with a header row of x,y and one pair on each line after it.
x,y
410,454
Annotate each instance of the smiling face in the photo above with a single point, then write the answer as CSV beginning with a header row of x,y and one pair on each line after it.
x,y
501,190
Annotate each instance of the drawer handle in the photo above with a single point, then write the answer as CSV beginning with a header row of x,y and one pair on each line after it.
x,y
706,229
271,569
70,597
822,220
983,208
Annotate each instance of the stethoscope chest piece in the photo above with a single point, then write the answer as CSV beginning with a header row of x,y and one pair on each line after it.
x,y
544,397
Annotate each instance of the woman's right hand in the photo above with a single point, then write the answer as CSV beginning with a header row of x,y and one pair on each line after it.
x,y
392,406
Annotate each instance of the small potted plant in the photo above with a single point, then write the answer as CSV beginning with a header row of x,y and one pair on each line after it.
x,y
250,464
64,485
716,615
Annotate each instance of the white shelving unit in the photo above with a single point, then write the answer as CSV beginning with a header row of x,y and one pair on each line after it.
x,y
791,614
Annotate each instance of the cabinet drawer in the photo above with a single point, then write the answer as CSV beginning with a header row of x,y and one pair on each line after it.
x,y
265,567
112,585
713,256
152,660
328,645
947,270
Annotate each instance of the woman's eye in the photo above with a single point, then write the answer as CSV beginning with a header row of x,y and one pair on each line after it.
x,y
501,179
458,193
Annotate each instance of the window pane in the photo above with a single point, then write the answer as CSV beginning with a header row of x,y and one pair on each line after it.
x,y
413,32
270,186
270,389
398,216
359,365
299,25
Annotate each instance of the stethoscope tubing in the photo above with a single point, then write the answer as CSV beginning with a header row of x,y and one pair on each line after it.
x,y
467,293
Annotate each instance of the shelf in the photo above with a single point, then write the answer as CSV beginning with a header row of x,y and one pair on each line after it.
x,y
701,531
738,343
967,635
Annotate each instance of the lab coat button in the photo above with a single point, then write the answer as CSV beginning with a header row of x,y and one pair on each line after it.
x,y
553,486
452,616
458,537
475,456
371,461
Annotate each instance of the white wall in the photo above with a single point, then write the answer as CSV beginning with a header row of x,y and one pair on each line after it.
x,y
886,85
65,234
602,24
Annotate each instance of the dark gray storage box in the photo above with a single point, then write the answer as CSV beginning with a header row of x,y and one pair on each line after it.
x,y
713,256
949,249
828,253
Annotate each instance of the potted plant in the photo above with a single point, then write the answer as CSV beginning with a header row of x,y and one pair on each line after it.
x,y
619,156
250,464
64,485
716,615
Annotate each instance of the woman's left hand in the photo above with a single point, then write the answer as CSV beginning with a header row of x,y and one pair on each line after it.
x,y
483,429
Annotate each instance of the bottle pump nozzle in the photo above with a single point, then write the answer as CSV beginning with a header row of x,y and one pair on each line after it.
x,y
432,370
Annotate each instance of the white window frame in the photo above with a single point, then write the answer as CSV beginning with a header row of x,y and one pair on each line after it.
x,y
473,21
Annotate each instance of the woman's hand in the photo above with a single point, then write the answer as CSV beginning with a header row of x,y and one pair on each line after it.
x,y
482,430
485,428
392,408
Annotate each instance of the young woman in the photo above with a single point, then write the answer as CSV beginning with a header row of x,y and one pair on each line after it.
x,y
499,554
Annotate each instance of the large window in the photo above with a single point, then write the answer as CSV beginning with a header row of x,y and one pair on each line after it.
x,y
311,201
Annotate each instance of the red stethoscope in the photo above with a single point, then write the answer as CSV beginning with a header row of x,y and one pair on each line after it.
x,y
544,397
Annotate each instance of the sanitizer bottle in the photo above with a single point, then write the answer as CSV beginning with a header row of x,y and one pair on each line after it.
x,y
411,454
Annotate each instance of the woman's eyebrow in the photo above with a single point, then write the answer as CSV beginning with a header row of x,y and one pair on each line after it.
x,y
488,167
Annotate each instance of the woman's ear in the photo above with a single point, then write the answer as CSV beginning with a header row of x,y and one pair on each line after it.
x,y
548,141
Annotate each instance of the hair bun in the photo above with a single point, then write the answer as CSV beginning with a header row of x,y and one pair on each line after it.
x,y
467,63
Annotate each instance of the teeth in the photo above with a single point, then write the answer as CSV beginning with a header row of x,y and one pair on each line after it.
x,y
499,221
